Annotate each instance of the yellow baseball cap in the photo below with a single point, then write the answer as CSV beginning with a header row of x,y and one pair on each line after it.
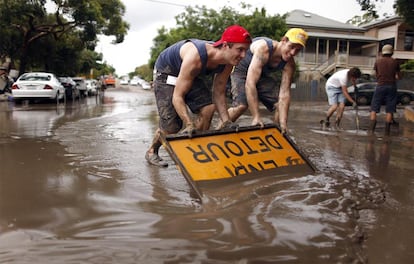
x,y
297,35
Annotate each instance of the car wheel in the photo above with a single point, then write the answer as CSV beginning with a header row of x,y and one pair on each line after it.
x,y
405,99
362,100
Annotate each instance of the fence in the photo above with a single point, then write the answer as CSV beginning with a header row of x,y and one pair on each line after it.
x,y
308,91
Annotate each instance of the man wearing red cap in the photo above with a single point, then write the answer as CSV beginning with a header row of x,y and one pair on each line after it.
x,y
252,80
180,75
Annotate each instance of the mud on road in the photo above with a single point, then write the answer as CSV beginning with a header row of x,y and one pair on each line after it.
x,y
75,188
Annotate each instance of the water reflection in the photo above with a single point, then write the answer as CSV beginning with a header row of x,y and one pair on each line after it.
x,y
87,195
378,157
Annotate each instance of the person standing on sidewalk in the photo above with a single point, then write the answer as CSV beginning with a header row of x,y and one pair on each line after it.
x,y
387,72
180,73
337,92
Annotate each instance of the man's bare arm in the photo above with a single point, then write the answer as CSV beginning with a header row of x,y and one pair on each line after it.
x,y
284,94
259,59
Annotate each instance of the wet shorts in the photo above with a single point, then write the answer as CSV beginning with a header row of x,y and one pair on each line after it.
x,y
387,94
335,95
267,91
198,97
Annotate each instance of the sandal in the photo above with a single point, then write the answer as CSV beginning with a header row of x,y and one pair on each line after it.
x,y
155,160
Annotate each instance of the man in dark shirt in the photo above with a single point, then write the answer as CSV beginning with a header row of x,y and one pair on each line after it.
x,y
387,71
180,75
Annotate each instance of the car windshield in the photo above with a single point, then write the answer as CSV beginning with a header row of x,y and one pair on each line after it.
x,y
33,77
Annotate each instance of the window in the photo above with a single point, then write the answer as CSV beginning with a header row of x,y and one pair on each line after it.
x,y
408,40
322,46
342,46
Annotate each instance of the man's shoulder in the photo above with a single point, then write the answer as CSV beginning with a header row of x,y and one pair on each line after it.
x,y
260,46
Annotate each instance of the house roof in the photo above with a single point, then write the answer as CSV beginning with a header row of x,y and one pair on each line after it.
x,y
308,20
342,36
382,22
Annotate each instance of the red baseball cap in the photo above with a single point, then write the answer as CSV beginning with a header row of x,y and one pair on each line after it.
x,y
234,34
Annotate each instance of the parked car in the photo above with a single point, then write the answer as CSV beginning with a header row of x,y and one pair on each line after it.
x,y
134,81
145,85
80,81
365,92
91,86
124,81
38,85
71,88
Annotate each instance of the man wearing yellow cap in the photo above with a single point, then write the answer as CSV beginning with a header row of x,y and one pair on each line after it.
x,y
251,79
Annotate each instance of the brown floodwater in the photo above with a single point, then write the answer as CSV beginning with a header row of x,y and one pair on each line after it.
x,y
75,188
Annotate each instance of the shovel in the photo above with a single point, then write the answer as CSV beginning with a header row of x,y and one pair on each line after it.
x,y
356,109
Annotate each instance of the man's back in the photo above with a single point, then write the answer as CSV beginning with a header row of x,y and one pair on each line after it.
x,y
386,69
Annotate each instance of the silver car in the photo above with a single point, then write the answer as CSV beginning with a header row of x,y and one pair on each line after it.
x,y
38,85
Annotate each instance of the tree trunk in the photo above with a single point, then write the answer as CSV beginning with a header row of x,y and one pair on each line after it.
x,y
23,59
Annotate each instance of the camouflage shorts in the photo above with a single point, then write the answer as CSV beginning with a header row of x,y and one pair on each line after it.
x,y
267,91
198,97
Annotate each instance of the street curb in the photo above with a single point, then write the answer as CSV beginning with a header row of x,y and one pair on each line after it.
x,y
409,113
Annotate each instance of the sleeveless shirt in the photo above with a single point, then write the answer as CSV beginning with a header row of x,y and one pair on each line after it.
x,y
243,66
169,61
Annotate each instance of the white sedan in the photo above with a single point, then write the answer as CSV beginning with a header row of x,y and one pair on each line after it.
x,y
134,81
124,81
38,85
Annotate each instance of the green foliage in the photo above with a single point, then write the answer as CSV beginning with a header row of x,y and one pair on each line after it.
x,y
408,66
369,7
404,8
144,71
203,23
360,20
24,24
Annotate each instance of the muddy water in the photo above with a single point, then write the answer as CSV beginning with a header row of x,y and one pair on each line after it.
x,y
75,188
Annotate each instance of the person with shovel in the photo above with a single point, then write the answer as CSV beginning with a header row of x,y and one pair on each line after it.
x,y
180,73
337,92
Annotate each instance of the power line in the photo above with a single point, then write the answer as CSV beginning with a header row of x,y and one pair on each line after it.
x,y
166,3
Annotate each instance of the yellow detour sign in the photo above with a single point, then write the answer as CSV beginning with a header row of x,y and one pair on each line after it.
x,y
229,154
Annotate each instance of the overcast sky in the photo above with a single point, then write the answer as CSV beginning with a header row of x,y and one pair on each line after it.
x,y
147,16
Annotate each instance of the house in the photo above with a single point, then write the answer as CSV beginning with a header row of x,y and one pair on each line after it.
x,y
393,30
334,45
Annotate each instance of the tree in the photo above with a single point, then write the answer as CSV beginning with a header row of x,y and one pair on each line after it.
x,y
408,66
144,71
369,7
203,23
359,20
33,22
404,8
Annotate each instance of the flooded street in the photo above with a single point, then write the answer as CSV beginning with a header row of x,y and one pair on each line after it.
x,y
75,188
